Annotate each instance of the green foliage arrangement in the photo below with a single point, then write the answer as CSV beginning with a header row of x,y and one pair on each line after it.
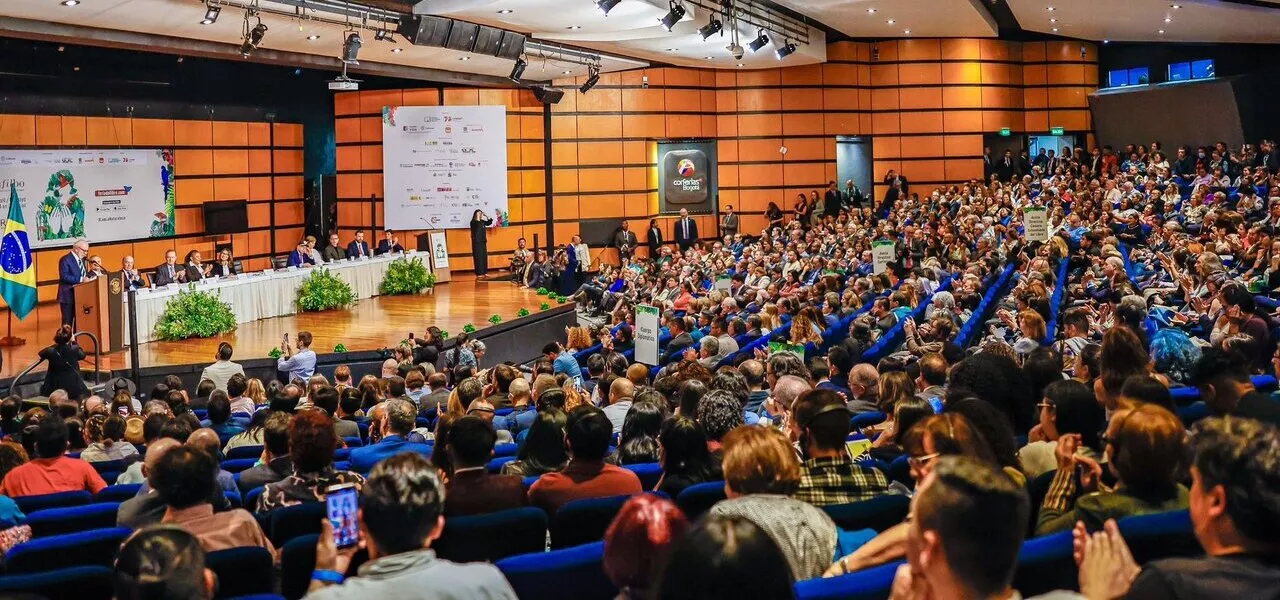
x,y
524,312
275,353
340,348
195,314
561,299
544,306
495,319
406,276
444,335
468,328
543,291
322,290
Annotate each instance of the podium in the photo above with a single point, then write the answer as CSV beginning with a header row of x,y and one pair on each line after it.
x,y
434,243
99,311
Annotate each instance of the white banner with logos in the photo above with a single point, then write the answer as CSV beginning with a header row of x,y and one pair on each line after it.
x,y
1035,224
646,334
442,163
100,195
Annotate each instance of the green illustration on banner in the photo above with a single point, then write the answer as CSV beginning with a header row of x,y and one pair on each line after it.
x,y
163,224
62,212
779,347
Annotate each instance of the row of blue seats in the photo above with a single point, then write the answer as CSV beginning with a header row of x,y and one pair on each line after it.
x,y
896,335
973,328
1055,301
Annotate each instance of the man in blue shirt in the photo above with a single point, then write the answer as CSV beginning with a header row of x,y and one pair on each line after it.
x,y
301,256
561,361
395,419
301,365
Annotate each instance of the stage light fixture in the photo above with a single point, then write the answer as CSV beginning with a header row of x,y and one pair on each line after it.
x,y
606,5
711,28
211,13
593,77
761,41
381,34
351,48
673,16
518,69
252,37
785,50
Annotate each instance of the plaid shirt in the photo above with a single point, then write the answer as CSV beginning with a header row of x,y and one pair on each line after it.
x,y
839,480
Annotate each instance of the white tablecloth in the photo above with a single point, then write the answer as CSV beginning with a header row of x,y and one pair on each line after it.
x,y
264,294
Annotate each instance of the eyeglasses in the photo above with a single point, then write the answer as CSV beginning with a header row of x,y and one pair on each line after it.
x,y
1048,405
919,462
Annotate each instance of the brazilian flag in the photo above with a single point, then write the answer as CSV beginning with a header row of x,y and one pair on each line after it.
x,y
18,275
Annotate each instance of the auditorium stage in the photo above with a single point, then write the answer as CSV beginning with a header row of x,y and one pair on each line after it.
x,y
371,324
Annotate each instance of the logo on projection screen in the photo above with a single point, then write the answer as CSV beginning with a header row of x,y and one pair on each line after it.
x,y
686,179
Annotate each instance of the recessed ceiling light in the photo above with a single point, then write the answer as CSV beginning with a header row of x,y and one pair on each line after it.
x,y
1175,6
907,32
1161,32
464,58
70,2
397,50
1053,20
890,21
871,11
574,27
1168,19
506,11
1055,30
1050,8
313,37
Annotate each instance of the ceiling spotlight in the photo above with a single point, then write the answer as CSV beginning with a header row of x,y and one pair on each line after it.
x,y
606,5
313,37
891,21
351,48
211,13
1168,19
506,11
761,41
518,69
1161,32
252,37
397,50
673,16
785,50
574,27
871,11
70,2
711,28
593,77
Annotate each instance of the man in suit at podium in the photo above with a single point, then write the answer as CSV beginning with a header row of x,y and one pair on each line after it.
x,y
169,271
72,271
686,230
358,247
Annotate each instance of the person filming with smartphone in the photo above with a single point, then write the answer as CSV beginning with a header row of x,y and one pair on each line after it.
x,y
300,364
400,514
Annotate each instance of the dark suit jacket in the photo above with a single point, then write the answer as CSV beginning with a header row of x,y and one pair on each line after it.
x,y
385,247
676,346
256,477
831,203
70,271
162,276
131,282
682,240
654,241
478,492
437,399
357,248
297,260
64,370
194,273
333,253
219,271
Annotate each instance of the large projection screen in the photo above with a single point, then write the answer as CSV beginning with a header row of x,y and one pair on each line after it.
x,y
442,163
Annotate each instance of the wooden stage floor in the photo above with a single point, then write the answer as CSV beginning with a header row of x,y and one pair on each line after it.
x,y
371,324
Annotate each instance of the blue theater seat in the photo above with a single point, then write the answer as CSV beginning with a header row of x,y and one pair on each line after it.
x,y
297,561
495,465
697,499
878,513
1160,535
1045,564
236,465
245,452
93,547
571,573
72,519
74,583
30,504
868,584
493,536
649,473
117,493
242,571
286,523
584,521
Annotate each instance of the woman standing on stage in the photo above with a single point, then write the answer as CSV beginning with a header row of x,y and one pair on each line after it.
x,y
479,243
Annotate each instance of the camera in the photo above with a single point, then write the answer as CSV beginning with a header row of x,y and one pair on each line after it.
x,y
736,51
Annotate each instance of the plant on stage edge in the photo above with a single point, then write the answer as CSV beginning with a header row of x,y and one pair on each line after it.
x,y
543,291
275,353
406,276
468,328
495,319
340,348
544,306
322,290
524,312
195,314
444,335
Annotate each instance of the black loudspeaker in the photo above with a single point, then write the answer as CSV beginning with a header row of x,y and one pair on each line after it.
x,y
547,95
426,30
462,36
512,45
487,41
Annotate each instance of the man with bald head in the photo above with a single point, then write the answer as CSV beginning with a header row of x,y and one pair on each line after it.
x,y
390,368
621,391
785,392
132,278
207,440
864,384
757,387
147,508
72,270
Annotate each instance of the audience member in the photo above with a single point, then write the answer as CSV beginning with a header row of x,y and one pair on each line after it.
x,y
726,557
311,447
820,422
399,420
165,563
471,490
637,543
183,478
586,475
275,463
544,449
51,471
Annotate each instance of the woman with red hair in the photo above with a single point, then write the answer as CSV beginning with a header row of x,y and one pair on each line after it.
x,y
637,543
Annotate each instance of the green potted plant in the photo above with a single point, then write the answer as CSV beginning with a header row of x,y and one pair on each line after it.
x,y
195,314
543,291
544,306
406,276
495,319
468,328
322,290
444,335
275,353
523,312
340,348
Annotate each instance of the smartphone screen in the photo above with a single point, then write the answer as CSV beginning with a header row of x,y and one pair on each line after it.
x,y
341,502
123,410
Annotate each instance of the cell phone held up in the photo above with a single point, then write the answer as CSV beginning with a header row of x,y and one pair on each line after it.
x,y
341,505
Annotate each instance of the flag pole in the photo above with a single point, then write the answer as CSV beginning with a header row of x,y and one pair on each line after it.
x,y
8,341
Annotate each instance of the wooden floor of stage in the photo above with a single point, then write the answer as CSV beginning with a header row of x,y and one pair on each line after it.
x,y
371,324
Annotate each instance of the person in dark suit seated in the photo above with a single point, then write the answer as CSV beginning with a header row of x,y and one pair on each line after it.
x,y
133,278
438,398
680,340
71,271
334,251
301,256
169,272
395,418
358,247
196,269
63,358
389,244
225,266
472,490
276,463
686,230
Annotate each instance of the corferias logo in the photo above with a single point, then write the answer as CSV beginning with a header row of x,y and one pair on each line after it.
x,y
685,168
686,181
